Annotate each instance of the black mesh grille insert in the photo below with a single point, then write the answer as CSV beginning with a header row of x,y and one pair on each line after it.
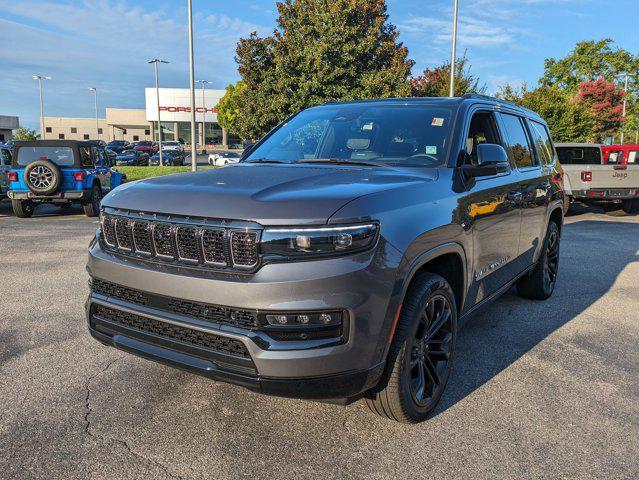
x,y
123,233
202,311
123,293
187,243
163,238
173,332
213,246
108,227
244,247
142,236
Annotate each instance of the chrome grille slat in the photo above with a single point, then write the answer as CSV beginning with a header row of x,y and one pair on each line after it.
x,y
181,240
123,233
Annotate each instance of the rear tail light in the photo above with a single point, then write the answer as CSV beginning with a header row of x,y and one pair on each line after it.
x,y
12,176
586,176
78,176
594,193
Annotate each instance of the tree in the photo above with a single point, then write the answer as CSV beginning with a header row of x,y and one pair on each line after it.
x,y
23,133
604,101
569,119
436,82
228,109
321,50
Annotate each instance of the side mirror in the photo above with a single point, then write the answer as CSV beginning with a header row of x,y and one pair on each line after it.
x,y
492,160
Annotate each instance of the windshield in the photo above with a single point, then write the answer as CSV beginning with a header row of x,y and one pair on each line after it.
x,y
62,156
579,155
406,135
128,152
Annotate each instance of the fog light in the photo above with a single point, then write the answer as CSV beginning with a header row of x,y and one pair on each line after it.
x,y
325,318
277,319
303,319
343,240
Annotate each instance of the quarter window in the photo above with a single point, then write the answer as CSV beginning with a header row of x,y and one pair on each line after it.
x,y
543,144
517,140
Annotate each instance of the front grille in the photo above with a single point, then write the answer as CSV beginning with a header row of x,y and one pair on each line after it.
x,y
170,331
203,311
177,242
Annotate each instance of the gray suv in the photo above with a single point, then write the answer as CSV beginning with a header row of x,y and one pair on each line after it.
x,y
337,260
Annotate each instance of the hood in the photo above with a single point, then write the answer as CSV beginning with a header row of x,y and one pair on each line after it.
x,y
267,194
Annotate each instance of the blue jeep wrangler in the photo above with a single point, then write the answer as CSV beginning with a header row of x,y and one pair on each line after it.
x,y
62,172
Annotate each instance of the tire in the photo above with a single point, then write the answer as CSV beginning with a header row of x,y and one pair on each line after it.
x,y
540,283
610,207
42,177
630,206
22,208
416,374
92,207
65,207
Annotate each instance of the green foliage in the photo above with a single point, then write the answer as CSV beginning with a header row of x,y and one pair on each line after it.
x,y
228,109
322,50
436,82
138,173
24,133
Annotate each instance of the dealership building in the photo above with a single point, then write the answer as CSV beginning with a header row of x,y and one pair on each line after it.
x,y
142,124
8,124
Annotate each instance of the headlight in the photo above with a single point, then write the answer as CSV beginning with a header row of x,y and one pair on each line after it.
x,y
317,241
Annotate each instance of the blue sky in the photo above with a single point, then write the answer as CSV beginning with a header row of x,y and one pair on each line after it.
x,y
106,43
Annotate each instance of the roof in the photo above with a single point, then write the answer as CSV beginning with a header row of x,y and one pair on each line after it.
x,y
442,101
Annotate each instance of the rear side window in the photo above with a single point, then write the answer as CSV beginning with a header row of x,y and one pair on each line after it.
x,y
62,156
517,141
5,157
615,157
579,155
543,144
633,156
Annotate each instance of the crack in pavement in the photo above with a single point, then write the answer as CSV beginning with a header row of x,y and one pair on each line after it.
x,y
87,427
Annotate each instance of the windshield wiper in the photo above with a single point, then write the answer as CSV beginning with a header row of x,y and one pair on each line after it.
x,y
344,161
265,160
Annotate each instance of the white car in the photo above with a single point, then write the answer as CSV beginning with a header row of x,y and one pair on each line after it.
x,y
223,158
173,146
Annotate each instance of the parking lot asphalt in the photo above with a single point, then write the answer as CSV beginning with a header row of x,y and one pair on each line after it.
x,y
539,389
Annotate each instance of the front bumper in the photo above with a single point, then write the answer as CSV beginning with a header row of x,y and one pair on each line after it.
x,y
360,285
75,195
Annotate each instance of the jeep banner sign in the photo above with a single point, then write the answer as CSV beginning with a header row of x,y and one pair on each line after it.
x,y
175,104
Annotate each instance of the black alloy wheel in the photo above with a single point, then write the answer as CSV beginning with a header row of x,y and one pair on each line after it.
x,y
540,283
430,351
551,263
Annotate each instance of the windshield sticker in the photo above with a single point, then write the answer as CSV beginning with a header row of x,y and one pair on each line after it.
x,y
431,150
437,122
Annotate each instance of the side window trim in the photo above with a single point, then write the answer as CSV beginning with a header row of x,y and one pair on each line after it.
x,y
498,132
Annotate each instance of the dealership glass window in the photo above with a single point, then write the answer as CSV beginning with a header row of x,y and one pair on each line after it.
x,y
213,133
48,129
99,131
61,136
146,132
136,138
86,136
184,132
167,131
74,130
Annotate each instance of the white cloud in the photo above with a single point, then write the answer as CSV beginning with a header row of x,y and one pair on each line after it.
x,y
106,43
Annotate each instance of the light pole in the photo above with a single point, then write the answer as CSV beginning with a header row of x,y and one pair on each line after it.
x,y
451,92
39,78
623,112
155,62
95,102
203,83
192,89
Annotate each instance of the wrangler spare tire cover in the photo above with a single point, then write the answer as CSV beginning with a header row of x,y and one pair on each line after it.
x,y
42,177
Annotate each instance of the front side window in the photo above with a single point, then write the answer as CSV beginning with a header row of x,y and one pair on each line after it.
x,y
517,140
615,157
542,141
61,156
482,130
633,156
398,135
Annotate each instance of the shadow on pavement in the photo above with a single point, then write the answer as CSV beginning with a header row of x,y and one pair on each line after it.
x,y
506,330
